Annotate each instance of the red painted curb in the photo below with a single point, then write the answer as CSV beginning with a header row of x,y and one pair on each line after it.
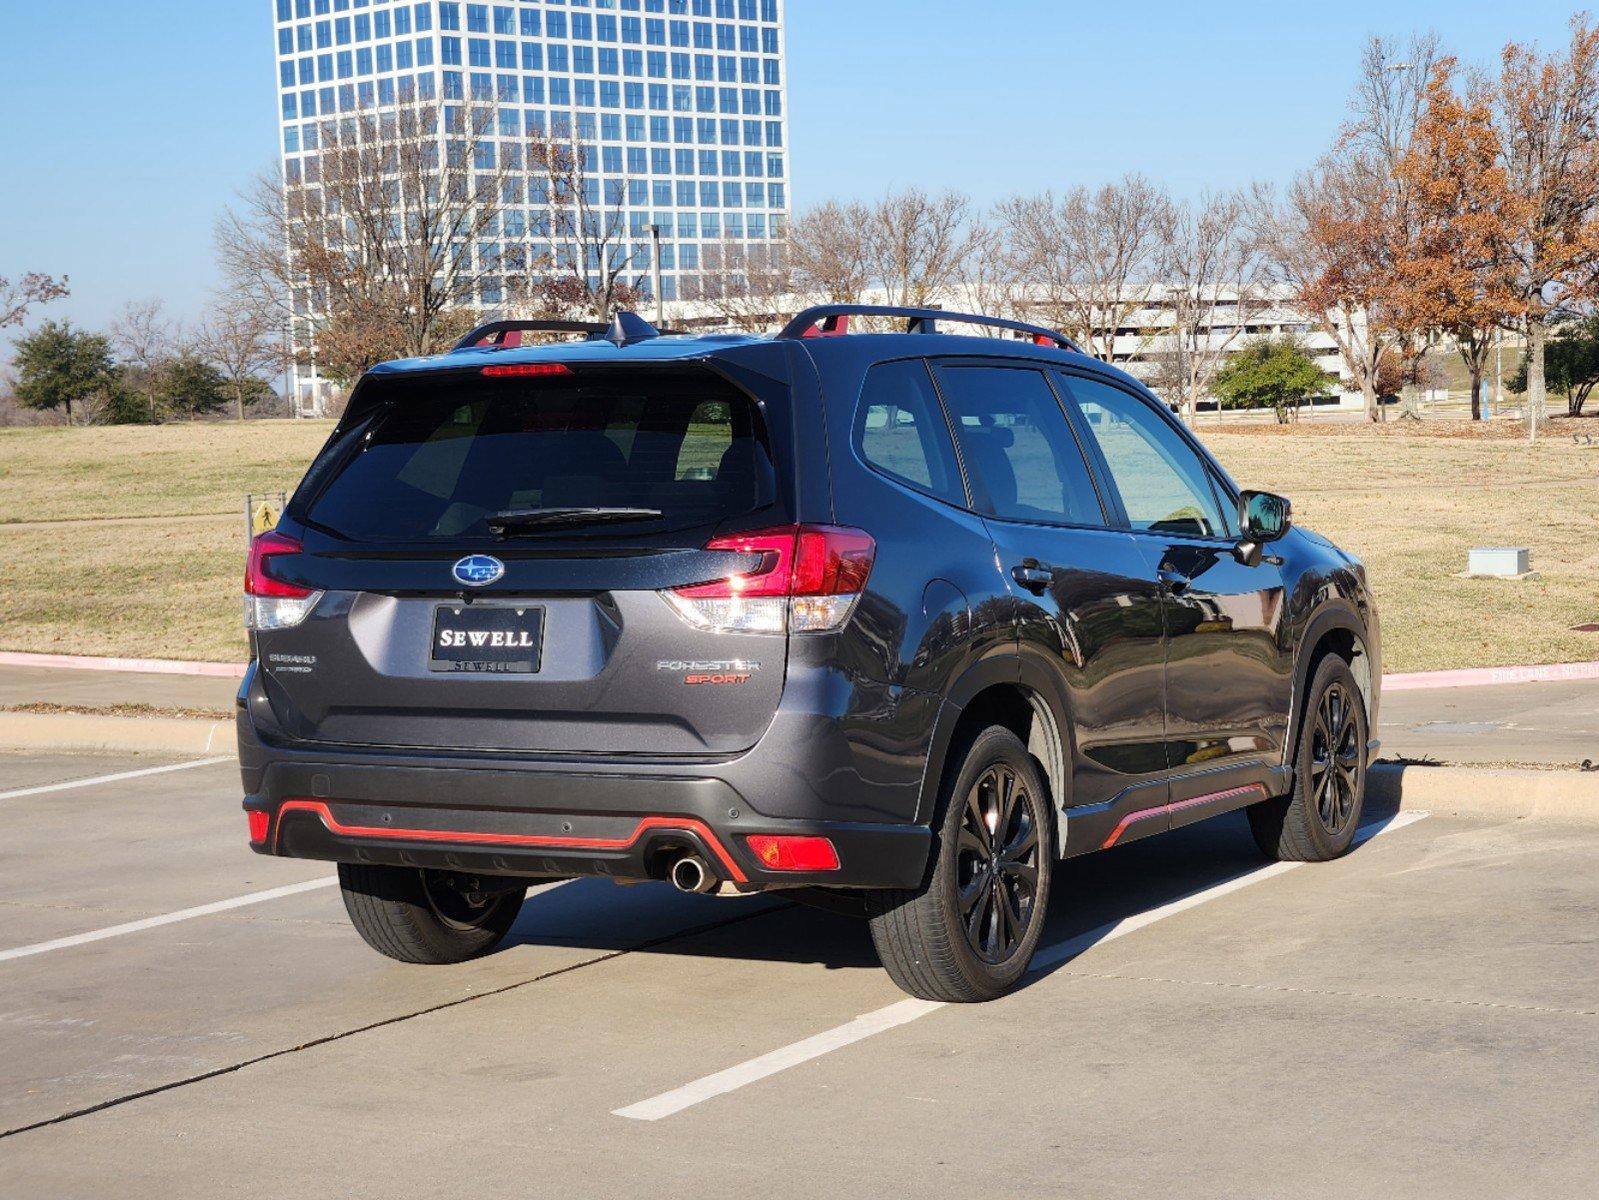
x,y
1488,676
148,666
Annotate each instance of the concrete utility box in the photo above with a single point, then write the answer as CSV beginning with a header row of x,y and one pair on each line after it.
x,y
1499,562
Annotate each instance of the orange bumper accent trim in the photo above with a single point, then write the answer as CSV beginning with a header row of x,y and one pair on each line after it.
x,y
531,841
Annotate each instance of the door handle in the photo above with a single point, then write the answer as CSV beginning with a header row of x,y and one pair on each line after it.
x,y
1033,576
1173,580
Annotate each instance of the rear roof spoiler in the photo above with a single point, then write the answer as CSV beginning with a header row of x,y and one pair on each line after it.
x,y
831,320
625,329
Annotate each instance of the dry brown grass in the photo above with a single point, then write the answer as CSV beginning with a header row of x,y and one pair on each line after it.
x,y
1411,500
59,474
130,540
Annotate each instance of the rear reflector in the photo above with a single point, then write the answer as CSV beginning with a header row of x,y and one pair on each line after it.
x,y
260,822
526,370
784,853
807,580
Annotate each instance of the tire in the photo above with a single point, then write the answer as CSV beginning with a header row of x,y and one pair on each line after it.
x,y
1318,819
417,916
922,936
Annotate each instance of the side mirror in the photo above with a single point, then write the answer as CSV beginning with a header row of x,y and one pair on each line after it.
x,y
1262,517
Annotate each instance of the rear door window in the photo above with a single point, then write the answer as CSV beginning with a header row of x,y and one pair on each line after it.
x,y
1017,447
440,456
901,431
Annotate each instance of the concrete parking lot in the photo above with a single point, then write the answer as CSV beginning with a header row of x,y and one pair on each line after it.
x,y
1415,1020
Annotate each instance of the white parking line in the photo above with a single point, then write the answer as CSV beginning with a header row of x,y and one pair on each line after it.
x,y
117,778
184,914
906,1011
188,914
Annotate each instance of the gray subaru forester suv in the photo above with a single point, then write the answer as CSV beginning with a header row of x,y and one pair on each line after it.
x,y
890,619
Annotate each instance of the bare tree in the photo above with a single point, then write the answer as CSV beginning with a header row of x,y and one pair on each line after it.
x,y
374,249
1549,131
750,286
1089,256
829,252
142,336
597,266
918,245
17,297
244,342
1334,238
146,343
1212,274
989,282
1311,252
1389,97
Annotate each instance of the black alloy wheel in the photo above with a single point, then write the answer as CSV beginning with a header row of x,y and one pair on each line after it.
x,y
997,864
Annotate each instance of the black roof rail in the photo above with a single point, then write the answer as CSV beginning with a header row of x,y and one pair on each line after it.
x,y
624,329
826,320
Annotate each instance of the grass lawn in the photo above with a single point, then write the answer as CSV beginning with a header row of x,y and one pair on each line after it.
x,y
1411,501
129,540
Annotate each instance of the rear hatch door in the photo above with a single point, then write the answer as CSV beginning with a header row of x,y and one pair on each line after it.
x,y
495,554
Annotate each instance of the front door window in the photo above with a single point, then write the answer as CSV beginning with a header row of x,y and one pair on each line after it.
x,y
1164,485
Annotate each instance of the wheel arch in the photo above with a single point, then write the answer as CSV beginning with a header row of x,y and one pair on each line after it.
x,y
1014,695
1338,630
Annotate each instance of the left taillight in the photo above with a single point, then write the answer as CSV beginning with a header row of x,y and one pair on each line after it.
x,y
270,603
807,580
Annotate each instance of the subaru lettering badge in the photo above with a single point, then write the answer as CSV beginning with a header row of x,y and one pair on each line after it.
x,y
478,570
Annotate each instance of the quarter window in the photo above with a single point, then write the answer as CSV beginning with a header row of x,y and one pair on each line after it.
x,y
1164,486
1017,446
900,430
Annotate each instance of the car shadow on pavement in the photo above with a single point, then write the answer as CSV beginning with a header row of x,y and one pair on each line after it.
x,y
1090,894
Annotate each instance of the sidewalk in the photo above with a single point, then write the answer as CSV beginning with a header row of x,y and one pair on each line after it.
x,y
115,710
21,686
1532,724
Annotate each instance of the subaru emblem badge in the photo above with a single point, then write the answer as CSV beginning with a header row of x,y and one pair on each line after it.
x,y
478,570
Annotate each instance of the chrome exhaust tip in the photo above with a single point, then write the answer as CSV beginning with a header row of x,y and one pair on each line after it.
x,y
691,874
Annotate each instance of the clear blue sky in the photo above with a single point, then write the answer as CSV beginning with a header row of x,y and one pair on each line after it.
x,y
123,137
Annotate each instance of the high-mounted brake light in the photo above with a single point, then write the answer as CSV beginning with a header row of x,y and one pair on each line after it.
x,y
789,853
270,603
807,579
526,370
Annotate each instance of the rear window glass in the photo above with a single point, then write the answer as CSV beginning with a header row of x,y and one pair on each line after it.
x,y
900,430
440,458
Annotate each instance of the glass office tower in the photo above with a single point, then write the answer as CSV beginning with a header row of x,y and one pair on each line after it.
x,y
680,104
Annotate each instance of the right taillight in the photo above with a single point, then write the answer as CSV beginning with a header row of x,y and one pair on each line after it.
x,y
270,603
807,580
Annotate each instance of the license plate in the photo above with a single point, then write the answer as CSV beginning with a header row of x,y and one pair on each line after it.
x,y
506,641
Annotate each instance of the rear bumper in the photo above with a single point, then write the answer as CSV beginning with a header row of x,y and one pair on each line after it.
x,y
545,820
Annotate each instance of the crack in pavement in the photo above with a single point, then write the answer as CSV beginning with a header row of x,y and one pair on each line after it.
x,y
201,1077
1379,997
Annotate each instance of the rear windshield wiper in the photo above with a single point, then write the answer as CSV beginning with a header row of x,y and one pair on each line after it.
x,y
537,520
